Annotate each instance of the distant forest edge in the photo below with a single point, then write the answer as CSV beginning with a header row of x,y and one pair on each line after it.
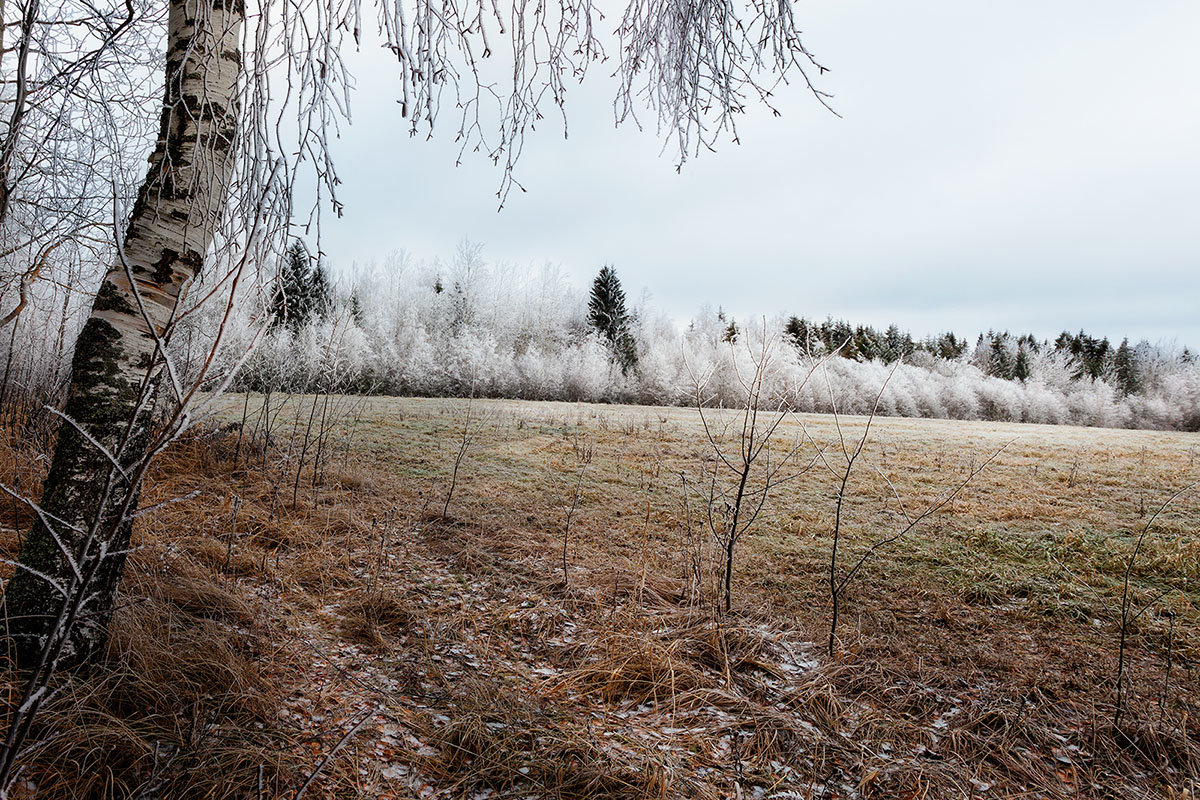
x,y
466,327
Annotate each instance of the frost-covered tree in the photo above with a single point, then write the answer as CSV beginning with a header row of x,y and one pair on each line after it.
x,y
170,231
531,338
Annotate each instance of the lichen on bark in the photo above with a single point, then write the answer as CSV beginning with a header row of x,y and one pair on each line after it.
x,y
117,361
76,488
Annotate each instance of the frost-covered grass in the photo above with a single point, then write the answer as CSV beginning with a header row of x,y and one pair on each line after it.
x,y
1059,501
978,650
1002,608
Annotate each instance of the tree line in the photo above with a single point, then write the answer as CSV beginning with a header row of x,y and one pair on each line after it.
x,y
465,326
998,354
462,325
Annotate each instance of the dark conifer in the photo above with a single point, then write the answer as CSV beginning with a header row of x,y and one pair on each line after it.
x,y
608,315
1000,361
1125,368
799,333
1021,366
289,305
319,295
731,332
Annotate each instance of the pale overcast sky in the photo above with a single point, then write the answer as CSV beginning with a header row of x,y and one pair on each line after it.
x,y
1029,165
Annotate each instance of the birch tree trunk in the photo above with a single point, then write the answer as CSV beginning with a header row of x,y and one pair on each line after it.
x,y
117,363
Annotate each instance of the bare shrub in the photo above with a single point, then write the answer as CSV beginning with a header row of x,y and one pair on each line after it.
x,y
744,467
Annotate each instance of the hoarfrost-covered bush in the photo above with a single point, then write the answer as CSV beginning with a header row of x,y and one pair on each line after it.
x,y
469,327
590,372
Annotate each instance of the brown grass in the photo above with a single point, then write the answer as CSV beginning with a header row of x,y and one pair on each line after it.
x,y
976,653
371,616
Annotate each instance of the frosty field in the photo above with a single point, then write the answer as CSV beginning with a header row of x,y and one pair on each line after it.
x,y
409,652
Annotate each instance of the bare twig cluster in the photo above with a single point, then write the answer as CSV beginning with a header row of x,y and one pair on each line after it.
x,y
471,426
744,469
583,450
840,576
1129,613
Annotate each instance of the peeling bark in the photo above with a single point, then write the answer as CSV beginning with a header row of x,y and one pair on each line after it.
x,y
117,363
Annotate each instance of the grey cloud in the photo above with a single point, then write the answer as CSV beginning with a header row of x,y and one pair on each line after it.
x,y
1025,166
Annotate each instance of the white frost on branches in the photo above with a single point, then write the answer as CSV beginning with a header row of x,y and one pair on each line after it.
x,y
466,326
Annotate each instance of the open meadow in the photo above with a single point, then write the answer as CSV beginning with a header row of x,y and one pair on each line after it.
x,y
381,597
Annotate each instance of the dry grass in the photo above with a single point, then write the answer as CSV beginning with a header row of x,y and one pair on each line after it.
x,y
372,615
982,648
976,659
188,700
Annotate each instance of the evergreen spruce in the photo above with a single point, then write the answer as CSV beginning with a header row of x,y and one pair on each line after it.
x,y
319,295
1021,367
950,347
799,333
302,291
867,346
1000,361
1125,369
608,315
896,344
731,332
1092,356
839,334
290,301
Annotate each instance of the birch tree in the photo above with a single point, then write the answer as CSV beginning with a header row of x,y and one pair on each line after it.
x,y
169,232
251,96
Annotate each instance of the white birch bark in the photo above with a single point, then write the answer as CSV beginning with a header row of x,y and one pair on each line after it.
x,y
117,360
